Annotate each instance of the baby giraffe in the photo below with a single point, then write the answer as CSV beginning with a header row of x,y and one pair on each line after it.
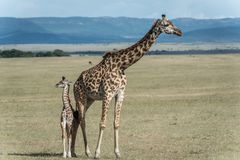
x,y
69,119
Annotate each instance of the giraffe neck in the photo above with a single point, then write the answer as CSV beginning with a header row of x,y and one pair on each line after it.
x,y
134,53
65,98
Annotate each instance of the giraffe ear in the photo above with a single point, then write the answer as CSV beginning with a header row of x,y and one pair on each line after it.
x,y
63,78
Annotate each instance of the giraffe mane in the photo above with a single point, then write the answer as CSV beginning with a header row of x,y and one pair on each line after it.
x,y
145,37
108,54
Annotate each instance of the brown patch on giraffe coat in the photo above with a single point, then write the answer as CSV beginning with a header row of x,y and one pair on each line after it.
x,y
138,54
114,76
135,50
145,49
124,58
131,60
118,64
114,65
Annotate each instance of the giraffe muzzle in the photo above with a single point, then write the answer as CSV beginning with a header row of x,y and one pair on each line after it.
x,y
178,32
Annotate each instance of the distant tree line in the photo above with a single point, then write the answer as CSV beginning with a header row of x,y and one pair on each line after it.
x,y
17,53
88,53
166,52
59,53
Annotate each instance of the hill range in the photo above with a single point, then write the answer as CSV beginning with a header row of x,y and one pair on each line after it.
x,y
73,30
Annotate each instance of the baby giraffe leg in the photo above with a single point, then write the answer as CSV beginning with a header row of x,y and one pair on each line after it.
x,y
69,143
64,136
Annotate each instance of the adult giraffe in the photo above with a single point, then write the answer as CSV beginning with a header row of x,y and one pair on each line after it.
x,y
107,80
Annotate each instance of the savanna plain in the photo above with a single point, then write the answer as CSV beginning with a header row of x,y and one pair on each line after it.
x,y
178,107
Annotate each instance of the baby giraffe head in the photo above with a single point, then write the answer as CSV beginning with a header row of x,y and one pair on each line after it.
x,y
63,83
166,26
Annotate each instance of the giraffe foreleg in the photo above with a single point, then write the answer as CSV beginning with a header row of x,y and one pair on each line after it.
x,y
97,152
116,123
105,107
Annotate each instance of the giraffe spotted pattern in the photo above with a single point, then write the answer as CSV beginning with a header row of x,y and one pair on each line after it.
x,y
107,80
69,120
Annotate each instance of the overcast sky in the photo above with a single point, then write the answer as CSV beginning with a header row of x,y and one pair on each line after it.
x,y
116,8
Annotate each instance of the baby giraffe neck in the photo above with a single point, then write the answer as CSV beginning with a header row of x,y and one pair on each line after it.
x,y
65,97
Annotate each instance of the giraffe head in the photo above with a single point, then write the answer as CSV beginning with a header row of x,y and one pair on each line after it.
x,y
166,26
63,83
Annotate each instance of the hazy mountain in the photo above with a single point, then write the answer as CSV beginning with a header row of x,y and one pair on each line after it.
x,y
107,29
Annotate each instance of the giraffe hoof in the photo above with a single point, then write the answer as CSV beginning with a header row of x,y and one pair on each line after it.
x,y
97,156
118,156
88,154
64,155
74,155
69,154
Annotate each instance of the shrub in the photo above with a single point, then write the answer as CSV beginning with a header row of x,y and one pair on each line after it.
x,y
17,53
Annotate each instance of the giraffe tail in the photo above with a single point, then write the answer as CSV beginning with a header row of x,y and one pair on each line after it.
x,y
76,114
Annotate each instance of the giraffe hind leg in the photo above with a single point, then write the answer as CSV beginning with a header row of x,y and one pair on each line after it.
x,y
82,104
74,134
82,110
83,127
